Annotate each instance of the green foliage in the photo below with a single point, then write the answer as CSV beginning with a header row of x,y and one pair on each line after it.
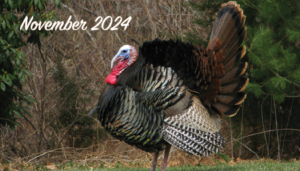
x,y
275,67
273,49
13,100
255,88
293,36
224,157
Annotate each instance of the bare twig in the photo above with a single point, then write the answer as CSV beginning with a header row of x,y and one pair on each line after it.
x,y
43,93
231,140
75,16
247,148
91,12
278,140
42,154
132,38
164,17
284,129
290,113
242,126
263,124
117,35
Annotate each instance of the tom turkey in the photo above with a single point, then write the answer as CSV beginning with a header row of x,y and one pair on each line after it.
x,y
174,93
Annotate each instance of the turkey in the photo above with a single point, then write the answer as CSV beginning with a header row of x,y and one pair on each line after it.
x,y
170,93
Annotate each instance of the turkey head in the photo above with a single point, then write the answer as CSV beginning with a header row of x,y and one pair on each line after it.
x,y
126,56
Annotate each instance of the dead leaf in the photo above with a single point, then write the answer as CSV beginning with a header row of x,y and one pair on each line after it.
x,y
51,167
231,163
30,168
238,160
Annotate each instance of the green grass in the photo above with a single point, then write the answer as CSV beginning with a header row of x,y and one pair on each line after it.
x,y
224,167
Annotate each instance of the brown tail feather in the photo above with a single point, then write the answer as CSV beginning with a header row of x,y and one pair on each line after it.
x,y
232,99
224,93
234,73
237,85
228,27
239,55
226,109
232,50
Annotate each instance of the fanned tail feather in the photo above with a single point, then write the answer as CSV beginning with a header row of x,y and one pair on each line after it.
x,y
224,94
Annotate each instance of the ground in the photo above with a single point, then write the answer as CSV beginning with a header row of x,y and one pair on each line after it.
x,y
233,165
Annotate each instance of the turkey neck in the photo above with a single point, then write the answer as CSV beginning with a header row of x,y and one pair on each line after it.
x,y
129,72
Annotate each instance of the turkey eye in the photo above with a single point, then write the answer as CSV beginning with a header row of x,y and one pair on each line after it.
x,y
124,51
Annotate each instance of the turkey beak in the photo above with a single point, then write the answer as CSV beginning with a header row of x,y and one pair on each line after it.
x,y
117,57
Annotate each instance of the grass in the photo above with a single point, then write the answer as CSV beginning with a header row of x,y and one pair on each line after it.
x,y
224,167
209,165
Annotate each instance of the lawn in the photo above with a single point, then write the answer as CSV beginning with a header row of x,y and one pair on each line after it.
x,y
224,167
247,165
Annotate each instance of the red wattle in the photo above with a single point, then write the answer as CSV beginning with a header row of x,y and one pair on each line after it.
x,y
111,79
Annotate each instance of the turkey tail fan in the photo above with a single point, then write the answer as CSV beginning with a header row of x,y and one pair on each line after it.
x,y
228,30
225,43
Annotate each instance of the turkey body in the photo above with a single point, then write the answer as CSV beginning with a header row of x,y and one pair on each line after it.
x,y
175,93
153,106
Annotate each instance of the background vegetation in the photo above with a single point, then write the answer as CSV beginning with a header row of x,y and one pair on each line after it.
x,y
65,73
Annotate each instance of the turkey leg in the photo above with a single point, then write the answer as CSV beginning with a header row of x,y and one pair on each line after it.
x,y
153,166
167,151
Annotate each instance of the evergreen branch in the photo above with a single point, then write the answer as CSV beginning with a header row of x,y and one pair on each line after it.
x,y
253,6
283,78
286,95
279,11
263,49
293,96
